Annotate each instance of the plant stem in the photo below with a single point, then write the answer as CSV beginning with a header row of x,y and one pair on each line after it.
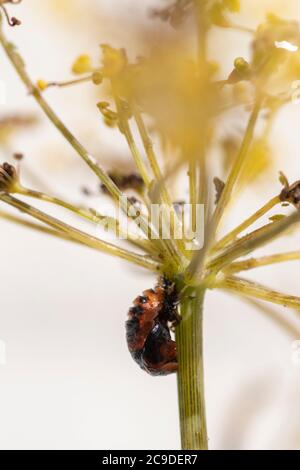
x,y
68,83
148,147
190,377
36,227
125,129
253,289
82,237
254,240
195,269
94,217
192,172
19,66
253,263
237,167
247,223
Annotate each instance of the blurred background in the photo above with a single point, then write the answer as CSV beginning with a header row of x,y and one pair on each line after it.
x,y
67,380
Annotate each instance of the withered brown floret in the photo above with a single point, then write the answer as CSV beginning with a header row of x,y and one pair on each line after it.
x,y
124,182
8,178
291,194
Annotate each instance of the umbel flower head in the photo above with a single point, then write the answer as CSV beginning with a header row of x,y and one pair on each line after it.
x,y
9,180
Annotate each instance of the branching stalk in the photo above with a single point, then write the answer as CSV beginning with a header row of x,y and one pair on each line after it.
x,y
247,223
237,167
253,289
36,227
86,239
195,269
125,129
254,240
148,146
253,263
89,215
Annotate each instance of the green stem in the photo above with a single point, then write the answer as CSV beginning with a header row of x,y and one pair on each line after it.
x,y
79,236
253,240
148,147
190,377
237,167
195,268
247,223
36,227
68,83
91,216
125,129
253,263
253,289
192,172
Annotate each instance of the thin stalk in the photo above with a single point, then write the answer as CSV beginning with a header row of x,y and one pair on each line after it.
x,y
195,268
18,63
253,241
125,129
192,172
237,167
89,215
241,28
190,377
253,263
253,289
201,25
148,146
36,227
231,236
68,83
203,177
201,30
82,237
19,66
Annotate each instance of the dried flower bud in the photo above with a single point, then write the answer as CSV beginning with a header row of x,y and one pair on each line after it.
x,y
18,156
291,194
9,181
219,185
124,182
